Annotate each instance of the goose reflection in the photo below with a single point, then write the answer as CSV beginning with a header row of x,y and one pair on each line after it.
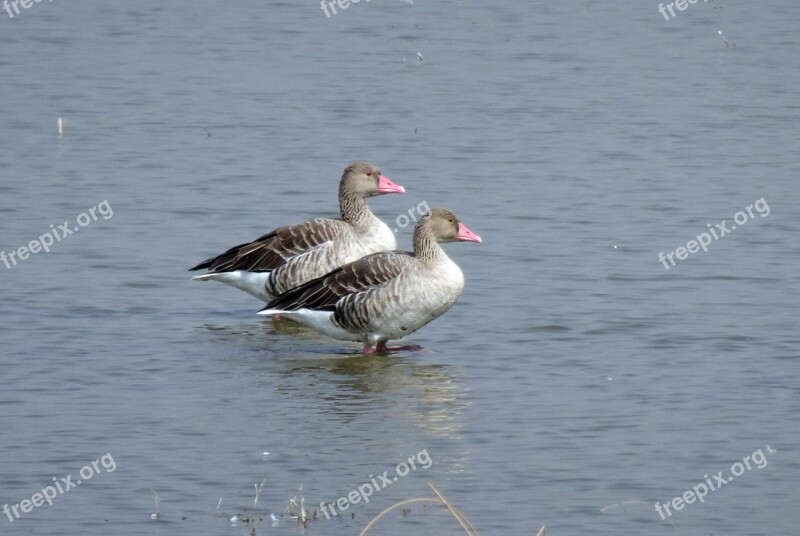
x,y
346,385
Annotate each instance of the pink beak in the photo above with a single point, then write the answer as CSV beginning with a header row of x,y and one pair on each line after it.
x,y
385,186
465,235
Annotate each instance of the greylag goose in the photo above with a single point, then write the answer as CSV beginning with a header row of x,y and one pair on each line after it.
x,y
385,295
295,254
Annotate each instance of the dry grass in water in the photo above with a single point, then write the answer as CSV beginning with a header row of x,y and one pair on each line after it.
x,y
439,499
296,510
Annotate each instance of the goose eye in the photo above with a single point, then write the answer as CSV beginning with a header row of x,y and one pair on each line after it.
x,y
369,174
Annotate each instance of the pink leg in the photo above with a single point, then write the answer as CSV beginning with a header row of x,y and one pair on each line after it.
x,y
367,350
276,317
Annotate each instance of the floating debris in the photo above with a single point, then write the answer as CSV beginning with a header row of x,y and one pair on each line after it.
x,y
723,39
296,508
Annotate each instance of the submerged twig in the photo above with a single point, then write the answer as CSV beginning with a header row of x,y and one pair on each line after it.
x,y
632,501
156,500
258,492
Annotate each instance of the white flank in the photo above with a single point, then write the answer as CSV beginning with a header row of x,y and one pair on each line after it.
x,y
254,283
321,321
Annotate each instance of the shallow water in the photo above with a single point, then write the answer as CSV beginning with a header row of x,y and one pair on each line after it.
x,y
579,139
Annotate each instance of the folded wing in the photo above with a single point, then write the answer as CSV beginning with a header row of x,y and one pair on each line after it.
x,y
349,281
273,249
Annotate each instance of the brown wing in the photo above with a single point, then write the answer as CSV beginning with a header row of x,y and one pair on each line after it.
x,y
323,293
274,249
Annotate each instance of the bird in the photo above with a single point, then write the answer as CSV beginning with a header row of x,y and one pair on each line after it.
x,y
386,295
294,254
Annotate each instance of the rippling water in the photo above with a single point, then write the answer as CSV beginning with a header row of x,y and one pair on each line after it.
x,y
579,139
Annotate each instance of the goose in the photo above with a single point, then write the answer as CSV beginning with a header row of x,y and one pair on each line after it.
x,y
386,295
294,254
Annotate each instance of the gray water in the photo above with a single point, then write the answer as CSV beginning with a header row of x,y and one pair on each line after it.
x,y
576,373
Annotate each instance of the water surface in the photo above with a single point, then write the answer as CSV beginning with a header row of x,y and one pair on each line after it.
x,y
579,139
